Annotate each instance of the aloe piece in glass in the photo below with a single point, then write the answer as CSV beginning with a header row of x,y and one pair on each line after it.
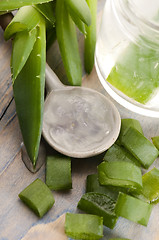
x,y
136,72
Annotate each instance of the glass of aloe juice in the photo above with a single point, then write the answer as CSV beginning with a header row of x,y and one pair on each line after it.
x,y
127,54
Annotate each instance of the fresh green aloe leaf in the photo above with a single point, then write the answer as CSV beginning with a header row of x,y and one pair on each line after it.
x,y
29,94
6,5
23,44
68,44
26,18
77,21
81,9
90,40
47,10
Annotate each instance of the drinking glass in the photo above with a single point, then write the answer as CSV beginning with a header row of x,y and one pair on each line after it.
x,y
127,54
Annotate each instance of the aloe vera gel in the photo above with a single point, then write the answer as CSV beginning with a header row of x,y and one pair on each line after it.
x,y
127,53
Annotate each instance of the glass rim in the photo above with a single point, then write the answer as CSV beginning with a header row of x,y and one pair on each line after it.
x,y
131,11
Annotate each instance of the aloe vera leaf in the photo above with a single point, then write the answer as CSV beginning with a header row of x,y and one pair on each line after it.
x,y
29,94
47,10
6,5
77,21
81,9
27,18
22,47
68,44
90,40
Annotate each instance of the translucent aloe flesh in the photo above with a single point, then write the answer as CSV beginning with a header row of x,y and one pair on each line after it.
x,y
6,5
136,72
29,94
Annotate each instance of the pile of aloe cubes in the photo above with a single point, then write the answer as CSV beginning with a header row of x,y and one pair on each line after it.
x,y
119,189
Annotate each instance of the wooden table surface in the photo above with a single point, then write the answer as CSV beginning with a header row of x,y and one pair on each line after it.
x,y
15,218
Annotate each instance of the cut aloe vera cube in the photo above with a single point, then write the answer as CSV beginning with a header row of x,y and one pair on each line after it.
x,y
6,5
27,18
58,172
129,122
133,209
150,191
92,185
83,226
141,148
101,205
23,44
38,197
120,174
119,153
155,141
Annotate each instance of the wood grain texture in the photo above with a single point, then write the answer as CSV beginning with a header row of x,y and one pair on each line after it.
x,y
53,230
6,93
16,220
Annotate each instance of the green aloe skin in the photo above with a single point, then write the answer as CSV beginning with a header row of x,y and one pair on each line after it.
x,y
14,4
38,197
150,191
81,9
28,90
28,29
58,172
140,147
133,209
68,44
83,226
90,39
